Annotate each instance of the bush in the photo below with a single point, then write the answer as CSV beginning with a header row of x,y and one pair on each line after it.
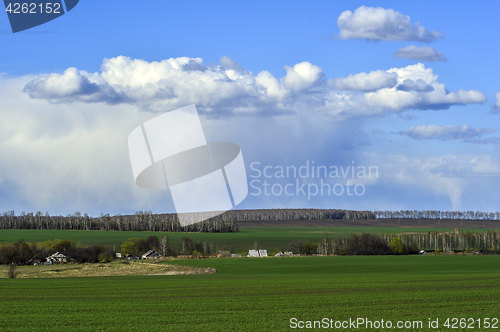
x,y
303,248
340,250
396,246
367,244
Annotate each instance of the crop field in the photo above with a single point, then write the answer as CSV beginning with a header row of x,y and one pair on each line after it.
x,y
270,238
261,294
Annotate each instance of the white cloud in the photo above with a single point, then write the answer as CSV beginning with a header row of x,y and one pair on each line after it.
x,y
374,80
464,166
496,107
461,178
372,23
424,53
302,76
417,85
445,133
177,82
230,89
64,158
427,93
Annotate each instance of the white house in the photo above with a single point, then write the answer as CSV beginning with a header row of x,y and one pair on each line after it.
x,y
150,254
257,253
57,258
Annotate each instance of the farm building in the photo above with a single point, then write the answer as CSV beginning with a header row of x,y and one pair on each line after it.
x,y
57,258
284,254
257,253
151,254
37,261
223,254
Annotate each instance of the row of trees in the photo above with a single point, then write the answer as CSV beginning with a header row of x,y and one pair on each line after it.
x,y
225,222
293,214
20,253
141,221
428,214
138,246
409,243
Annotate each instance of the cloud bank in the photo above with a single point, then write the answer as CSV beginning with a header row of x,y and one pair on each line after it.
x,y
66,157
371,81
424,53
464,132
445,133
229,89
377,24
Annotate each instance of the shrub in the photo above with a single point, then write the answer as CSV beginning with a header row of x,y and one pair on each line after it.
x,y
396,246
340,250
367,244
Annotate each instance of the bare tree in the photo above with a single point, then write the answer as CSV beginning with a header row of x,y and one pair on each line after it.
x,y
164,245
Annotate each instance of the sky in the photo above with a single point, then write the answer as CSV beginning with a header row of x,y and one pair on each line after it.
x,y
409,91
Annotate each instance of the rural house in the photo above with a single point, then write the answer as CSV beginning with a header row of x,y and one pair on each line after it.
x,y
57,258
37,261
151,254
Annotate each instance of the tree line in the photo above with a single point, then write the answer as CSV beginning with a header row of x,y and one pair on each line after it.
x,y
21,253
411,243
141,221
434,214
148,221
225,222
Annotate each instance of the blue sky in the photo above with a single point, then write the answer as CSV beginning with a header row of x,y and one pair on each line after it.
x,y
290,82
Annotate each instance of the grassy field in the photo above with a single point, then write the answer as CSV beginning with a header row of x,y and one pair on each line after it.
x,y
270,238
261,294
110,269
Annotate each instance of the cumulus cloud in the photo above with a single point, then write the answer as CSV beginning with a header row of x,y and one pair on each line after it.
x,y
425,93
177,82
372,81
71,85
302,76
417,85
496,107
424,53
464,166
376,24
229,88
445,133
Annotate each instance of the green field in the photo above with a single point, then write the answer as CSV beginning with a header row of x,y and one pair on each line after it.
x,y
261,294
270,238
